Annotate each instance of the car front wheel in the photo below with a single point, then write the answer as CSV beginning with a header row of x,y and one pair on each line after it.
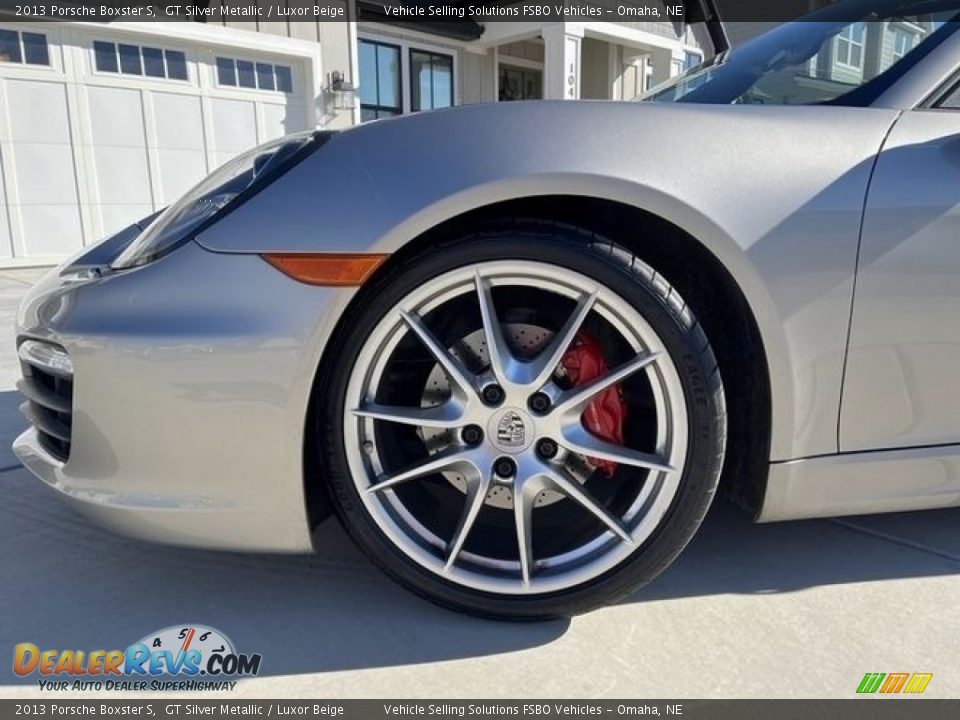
x,y
525,422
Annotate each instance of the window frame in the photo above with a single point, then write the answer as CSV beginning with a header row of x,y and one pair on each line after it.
x,y
406,45
257,63
400,109
905,31
432,55
688,54
164,49
22,62
851,43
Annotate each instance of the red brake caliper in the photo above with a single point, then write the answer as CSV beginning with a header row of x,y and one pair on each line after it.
x,y
605,414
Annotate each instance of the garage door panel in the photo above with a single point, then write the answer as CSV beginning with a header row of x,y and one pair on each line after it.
x,y
6,238
180,170
178,121
234,127
38,111
50,229
117,217
280,120
44,174
116,117
123,175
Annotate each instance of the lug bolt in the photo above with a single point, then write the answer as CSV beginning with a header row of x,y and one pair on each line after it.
x,y
546,448
539,402
472,435
493,394
505,468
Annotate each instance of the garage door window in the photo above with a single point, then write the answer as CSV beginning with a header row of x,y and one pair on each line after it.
x,y
26,48
136,60
254,75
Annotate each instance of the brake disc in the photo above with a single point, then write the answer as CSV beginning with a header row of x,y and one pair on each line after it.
x,y
526,341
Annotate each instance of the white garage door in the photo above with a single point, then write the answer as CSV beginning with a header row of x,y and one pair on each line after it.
x,y
100,127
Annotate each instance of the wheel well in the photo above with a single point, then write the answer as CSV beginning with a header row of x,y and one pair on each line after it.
x,y
699,277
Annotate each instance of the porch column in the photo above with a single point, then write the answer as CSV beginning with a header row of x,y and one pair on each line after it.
x,y
561,61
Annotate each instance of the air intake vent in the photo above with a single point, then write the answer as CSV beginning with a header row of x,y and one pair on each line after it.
x,y
47,384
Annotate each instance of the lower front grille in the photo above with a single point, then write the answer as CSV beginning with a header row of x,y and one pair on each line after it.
x,y
47,384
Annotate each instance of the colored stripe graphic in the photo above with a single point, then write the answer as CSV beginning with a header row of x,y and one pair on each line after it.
x,y
918,682
870,682
894,682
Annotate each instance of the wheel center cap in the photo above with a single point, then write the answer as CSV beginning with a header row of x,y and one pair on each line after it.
x,y
511,430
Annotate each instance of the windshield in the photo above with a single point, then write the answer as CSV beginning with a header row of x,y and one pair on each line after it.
x,y
845,54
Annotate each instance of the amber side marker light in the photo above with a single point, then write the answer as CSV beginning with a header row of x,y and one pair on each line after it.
x,y
328,269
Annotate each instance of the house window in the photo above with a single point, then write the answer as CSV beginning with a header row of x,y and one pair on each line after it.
x,y
24,48
850,45
691,59
380,85
127,59
431,80
903,43
520,84
254,75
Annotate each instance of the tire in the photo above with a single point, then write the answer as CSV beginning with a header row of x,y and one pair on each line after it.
x,y
653,483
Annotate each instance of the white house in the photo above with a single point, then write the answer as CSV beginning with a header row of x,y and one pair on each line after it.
x,y
103,123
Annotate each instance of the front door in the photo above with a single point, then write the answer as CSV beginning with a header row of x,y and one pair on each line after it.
x,y
901,387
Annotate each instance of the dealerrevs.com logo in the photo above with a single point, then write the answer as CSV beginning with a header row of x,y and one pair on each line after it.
x,y
184,657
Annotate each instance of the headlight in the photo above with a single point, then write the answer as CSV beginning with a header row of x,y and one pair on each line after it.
x,y
229,186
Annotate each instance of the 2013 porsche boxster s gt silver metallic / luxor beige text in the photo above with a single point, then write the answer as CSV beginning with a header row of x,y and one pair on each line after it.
x,y
516,357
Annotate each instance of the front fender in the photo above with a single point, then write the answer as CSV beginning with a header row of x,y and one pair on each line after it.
x,y
775,193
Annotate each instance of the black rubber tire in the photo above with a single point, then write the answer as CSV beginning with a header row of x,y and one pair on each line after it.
x,y
626,275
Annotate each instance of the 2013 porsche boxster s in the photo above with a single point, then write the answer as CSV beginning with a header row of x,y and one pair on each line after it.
x,y
515,347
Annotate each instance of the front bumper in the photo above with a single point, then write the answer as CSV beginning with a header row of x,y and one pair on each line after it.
x,y
192,377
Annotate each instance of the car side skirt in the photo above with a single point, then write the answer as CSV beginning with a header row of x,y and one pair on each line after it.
x,y
860,483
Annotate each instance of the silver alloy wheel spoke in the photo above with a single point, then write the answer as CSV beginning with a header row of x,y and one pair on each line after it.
x,y
477,488
445,415
543,367
573,490
501,359
580,440
523,517
458,375
579,397
436,463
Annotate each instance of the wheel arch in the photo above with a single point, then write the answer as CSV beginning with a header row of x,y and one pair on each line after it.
x,y
708,285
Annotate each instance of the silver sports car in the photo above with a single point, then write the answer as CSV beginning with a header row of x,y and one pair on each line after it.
x,y
515,348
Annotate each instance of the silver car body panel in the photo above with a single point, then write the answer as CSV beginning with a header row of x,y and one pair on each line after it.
x,y
905,336
192,378
861,483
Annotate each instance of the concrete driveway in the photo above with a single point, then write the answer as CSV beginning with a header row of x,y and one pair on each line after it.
x,y
798,609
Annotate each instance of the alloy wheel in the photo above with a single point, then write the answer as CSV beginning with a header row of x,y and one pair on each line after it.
x,y
475,448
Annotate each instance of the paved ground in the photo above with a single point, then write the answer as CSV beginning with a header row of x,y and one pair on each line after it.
x,y
798,609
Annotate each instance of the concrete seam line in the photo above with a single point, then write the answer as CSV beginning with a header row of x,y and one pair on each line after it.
x,y
898,540
10,467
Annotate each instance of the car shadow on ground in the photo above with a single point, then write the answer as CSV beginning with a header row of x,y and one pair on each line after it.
x,y
68,584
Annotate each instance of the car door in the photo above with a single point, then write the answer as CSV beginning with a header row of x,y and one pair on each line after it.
x,y
902,381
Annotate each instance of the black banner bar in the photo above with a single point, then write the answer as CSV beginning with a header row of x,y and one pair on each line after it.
x,y
873,708
477,11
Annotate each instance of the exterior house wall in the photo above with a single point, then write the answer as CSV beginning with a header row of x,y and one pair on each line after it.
x,y
595,70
